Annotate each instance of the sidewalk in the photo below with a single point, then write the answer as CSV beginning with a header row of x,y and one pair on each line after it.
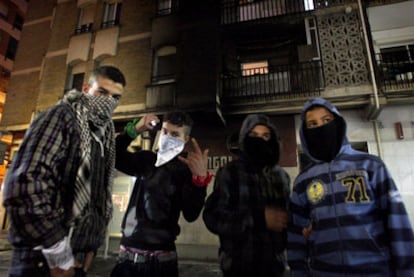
x,y
102,267
187,268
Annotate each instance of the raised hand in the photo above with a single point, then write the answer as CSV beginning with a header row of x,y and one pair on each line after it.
x,y
196,160
145,123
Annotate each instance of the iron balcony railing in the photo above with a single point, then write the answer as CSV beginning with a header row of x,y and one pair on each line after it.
x,y
287,81
395,74
110,23
247,10
163,78
84,28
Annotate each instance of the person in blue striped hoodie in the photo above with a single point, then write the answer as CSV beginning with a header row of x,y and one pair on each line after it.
x,y
347,217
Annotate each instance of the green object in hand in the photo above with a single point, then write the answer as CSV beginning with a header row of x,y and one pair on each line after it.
x,y
130,128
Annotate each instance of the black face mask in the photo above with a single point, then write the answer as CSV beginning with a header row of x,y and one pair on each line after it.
x,y
260,151
325,141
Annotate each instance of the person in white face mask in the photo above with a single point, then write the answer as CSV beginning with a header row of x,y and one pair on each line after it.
x,y
168,183
58,188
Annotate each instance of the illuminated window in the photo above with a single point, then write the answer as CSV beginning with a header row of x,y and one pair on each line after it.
x,y
253,68
309,5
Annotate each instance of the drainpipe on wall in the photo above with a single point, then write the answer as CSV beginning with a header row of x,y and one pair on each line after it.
x,y
374,83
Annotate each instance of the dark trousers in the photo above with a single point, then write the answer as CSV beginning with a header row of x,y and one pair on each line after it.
x,y
28,263
256,272
151,268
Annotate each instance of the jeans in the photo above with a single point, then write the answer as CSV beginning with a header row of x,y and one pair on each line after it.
x,y
28,263
151,268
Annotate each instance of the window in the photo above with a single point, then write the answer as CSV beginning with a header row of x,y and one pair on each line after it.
x,y
112,14
397,63
309,5
165,63
75,77
77,81
18,22
85,21
312,37
4,10
397,54
4,72
12,48
253,68
167,6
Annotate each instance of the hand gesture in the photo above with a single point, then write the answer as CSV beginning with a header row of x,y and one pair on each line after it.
x,y
276,219
145,123
196,160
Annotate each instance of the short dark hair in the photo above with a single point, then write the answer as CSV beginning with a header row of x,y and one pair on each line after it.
x,y
180,119
109,72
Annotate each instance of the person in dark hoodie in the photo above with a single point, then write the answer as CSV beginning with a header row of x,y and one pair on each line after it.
x,y
247,208
347,216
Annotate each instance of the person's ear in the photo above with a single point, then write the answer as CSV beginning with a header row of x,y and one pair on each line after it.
x,y
85,88
187,138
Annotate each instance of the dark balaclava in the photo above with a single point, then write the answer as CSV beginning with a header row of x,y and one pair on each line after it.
x,y
260,151
324,142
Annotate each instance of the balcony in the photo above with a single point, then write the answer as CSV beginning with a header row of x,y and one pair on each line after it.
x,y
234,12
110,23
395,76
249,10
84,28
9,28
271,83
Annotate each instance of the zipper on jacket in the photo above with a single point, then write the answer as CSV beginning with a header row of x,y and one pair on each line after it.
x,y
333,196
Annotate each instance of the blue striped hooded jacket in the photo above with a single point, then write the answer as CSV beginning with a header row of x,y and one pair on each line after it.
x,y
359,223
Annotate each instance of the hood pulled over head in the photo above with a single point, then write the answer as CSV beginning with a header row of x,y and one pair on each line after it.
x,y
323,143
255,149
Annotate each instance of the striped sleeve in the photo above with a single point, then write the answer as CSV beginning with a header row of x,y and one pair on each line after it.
x,y
399,226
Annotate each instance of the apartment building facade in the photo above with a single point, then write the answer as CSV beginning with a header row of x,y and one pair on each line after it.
x,y
220,60
11,22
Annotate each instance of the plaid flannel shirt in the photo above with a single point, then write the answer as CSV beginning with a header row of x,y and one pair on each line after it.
x,y
39,183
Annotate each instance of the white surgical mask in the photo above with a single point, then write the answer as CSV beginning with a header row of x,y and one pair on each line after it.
x,y
168,148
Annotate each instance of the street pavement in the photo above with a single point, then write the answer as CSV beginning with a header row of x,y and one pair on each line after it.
x,y
102,267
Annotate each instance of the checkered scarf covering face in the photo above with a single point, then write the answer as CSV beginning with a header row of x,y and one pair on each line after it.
x,y
93,115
